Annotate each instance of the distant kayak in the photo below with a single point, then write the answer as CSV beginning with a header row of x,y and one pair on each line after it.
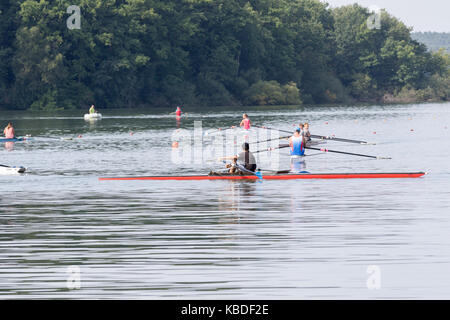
x,y
11,170
92,116
12,140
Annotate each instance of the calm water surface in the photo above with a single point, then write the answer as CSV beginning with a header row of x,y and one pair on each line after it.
x,y
223,239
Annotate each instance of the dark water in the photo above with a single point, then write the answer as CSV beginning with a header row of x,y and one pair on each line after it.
x,y
304,239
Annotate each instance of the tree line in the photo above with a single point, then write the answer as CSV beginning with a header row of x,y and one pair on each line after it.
x,y
152,53
433,40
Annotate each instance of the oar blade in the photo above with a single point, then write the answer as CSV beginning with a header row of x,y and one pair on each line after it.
x,y
348,153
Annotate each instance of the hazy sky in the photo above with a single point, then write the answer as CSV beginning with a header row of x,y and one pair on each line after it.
x,y
422,15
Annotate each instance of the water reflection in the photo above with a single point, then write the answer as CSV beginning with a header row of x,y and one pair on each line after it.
x,y
235,194
226,239
298,164
9,146
92,123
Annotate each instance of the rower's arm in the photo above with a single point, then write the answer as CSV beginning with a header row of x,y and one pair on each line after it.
x,y
228,158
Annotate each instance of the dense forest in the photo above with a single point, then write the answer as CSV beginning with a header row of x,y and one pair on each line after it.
x,y
151,53
433,40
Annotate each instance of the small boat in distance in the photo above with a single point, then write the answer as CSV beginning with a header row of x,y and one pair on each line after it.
x,y
92,116
282,175
12,140
11,170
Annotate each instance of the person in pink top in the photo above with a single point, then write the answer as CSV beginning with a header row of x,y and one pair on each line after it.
x,y
9,131
178,112
246,123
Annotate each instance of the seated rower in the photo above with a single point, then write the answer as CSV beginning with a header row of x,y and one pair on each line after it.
x,y
306,133
246,159
178,112
297,144
9,131
92,110
246,122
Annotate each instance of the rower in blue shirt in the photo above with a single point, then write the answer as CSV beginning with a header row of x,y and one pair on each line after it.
x,y
297,144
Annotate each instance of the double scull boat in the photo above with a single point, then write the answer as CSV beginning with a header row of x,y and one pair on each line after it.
x,y
284,176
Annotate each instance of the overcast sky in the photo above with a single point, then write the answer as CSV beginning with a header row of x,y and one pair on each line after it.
x,y
422,15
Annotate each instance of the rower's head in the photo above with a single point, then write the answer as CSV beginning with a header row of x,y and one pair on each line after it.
x,y
300,125
306,126
297,132
245,146
245,116
9,125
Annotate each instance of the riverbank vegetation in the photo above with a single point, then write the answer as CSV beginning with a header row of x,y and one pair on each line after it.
x,y
433,40
150,53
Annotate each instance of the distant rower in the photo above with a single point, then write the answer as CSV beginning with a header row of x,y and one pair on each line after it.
x,y
178,112
306,133
92,110
246,122
9,131
245,159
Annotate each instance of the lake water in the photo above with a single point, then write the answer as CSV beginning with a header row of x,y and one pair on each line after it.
x,y
300,239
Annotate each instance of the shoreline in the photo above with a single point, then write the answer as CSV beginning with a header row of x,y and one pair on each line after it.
x,y
391,100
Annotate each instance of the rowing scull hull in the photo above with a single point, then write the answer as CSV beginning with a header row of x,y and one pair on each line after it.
x,y
92,116
280,176
11,140
11,170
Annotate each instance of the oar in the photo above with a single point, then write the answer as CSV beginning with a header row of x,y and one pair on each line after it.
x,y
276,171
60,138
207,133
46,137
340,139
341,152
271,149
348,153
280,138
323,137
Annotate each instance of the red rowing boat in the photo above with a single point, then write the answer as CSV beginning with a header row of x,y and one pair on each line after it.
x,y
279,176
